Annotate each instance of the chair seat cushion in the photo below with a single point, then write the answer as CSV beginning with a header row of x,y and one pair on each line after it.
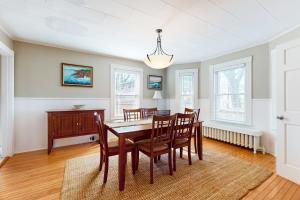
x,y
180,141
113,145
145,146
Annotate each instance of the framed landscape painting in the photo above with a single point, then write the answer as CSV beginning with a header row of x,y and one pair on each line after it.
x,y
77,75
154,82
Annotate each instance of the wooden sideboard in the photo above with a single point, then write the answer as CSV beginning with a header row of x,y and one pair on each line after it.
x,y
71,123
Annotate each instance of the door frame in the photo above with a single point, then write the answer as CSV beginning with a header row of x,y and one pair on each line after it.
x,y
177,89
7,100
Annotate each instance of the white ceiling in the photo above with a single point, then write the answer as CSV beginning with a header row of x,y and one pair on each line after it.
x,y
193,30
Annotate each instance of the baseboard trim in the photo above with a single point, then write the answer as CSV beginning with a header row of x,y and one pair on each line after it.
x,y
3,161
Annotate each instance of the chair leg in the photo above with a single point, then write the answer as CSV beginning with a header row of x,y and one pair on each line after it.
x,y
181,150
170,162
106,169
133,160
137,159
195,143
101,160
174,159
151,171
158,158
155,159
189,154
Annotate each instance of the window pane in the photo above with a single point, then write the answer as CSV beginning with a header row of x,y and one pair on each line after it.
x,y
187,102
230,94
125,102
127,91
231,108
126,82
187,85
231,81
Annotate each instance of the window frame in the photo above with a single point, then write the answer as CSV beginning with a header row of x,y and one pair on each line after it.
x,y
248,88
178,87
112,84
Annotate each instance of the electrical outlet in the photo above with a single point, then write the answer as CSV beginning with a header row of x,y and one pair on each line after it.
x,y
92,138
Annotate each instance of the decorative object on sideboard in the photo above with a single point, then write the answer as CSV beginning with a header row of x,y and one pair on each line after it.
x,y
77,75
78,106
155,82
158,59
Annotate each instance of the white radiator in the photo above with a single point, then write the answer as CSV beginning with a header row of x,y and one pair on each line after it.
x,y
241,137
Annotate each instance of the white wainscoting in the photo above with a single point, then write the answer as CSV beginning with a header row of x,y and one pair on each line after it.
x,y
261,118
31,129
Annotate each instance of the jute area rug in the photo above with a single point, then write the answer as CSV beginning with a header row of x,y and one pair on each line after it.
x,y
217,177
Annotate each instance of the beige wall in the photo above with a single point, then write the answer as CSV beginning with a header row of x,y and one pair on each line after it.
x,y
38,72
6,40
260,76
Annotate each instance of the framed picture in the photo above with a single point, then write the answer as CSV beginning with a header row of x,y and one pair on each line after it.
x,y
77,75
155,82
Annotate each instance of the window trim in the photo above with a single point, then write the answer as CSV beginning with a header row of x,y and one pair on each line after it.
x,y
177,87
248,96
113,68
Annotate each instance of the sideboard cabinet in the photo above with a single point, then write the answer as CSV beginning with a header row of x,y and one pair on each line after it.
x,y
71,123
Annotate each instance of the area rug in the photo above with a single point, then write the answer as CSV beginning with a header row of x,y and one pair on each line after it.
x,y
217,177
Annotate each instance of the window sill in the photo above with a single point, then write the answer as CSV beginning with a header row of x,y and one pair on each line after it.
x,y
233,127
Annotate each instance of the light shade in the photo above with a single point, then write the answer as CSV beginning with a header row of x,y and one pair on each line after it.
x,y
159,61
157,95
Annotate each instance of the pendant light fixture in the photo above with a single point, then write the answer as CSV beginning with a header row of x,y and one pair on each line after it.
x,y
158,59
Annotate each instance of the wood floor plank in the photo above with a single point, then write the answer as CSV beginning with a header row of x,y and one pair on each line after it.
x,y
37,175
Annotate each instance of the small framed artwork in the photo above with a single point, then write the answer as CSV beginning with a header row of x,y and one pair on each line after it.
x,y
77,75
155,82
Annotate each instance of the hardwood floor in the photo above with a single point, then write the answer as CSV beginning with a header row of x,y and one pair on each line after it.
x,y
36,175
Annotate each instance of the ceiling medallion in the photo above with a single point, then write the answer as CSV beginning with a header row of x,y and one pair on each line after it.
x,y
158,59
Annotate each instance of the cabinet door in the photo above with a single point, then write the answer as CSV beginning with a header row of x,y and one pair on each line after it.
x,y
66,124
87,123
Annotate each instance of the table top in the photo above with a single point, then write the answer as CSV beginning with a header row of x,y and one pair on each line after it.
x,y
122,127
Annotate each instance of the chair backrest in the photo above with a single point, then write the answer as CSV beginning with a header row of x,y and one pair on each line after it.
x,y
132,114
163,112
162,130
148,112
102,134
184,126
196,111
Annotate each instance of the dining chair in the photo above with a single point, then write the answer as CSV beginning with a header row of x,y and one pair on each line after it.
x,y
148,112
164,112
132,114
111,148
182,135
194,135
159,143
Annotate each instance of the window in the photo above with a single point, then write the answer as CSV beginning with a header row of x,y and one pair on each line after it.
x,y
231,100
126,89
186,89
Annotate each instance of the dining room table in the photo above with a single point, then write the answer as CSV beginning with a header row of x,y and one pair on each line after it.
x,y
139,129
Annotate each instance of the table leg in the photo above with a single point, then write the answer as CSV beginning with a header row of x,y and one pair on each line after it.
x,y
199,141
122,162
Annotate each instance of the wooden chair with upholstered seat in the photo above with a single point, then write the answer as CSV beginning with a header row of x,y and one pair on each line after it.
x,y
148,112
132,114
182,135
111,148
194,135
160,142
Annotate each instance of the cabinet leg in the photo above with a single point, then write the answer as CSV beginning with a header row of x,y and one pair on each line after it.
x,y
50,145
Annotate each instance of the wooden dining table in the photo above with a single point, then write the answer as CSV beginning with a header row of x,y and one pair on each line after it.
x,y
135,129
